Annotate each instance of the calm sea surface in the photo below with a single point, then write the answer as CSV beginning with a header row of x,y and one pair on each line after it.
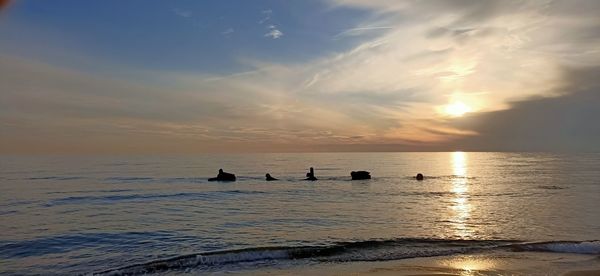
x,y
65,214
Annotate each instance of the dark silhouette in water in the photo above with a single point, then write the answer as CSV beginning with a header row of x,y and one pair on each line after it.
x,y
270,178
311,175
360,175
223,176
419,176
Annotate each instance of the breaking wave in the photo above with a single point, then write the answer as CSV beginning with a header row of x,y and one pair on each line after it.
x,y
583,247
371,250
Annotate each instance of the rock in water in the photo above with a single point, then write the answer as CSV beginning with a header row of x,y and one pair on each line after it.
x,y
270,178
360,175
223,176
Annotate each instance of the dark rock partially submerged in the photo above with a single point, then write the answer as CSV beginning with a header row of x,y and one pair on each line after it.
x,y
270,178
223,176
360,175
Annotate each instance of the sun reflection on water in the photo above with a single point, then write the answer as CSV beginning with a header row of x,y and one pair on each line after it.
x,y
460,202
470,265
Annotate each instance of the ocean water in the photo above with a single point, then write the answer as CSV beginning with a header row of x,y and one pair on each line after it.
x,y
159,214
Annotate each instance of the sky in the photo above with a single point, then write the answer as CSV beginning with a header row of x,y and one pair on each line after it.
x,y
183,76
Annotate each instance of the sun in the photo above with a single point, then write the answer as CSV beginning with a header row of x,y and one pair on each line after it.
x,y
457,109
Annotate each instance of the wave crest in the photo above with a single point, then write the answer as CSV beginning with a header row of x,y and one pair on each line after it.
x,y
371,250
578,247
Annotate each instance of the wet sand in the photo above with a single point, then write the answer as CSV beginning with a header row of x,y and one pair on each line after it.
x,y
492,263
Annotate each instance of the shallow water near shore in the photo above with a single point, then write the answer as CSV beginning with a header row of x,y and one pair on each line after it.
x,y
148,214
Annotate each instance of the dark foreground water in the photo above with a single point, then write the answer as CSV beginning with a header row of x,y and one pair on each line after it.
x,y
132,215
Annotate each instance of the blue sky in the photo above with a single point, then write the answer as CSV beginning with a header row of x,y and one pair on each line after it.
x,y
182,35
188,76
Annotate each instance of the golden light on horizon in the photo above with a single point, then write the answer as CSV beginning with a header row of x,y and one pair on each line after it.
x,y
457,109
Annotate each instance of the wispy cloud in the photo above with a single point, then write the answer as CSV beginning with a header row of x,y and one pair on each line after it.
x,y
266,16
227,32
273,33
361,30
272,30
182,13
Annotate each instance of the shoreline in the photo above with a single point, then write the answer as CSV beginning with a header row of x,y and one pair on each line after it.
x,y
488,263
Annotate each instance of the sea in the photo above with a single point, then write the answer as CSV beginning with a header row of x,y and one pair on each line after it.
x,y
133,215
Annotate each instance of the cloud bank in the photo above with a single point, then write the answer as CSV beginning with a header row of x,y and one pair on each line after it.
x,y
563,123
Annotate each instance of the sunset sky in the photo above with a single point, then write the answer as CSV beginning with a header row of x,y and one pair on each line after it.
x,y
151,76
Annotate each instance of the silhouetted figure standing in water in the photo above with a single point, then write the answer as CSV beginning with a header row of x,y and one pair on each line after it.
x,y
419,176
223,176
270,178
311,175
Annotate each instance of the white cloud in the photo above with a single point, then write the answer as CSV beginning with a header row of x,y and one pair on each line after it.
x,y
361,30
183,13
267,16
274,33
227,32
